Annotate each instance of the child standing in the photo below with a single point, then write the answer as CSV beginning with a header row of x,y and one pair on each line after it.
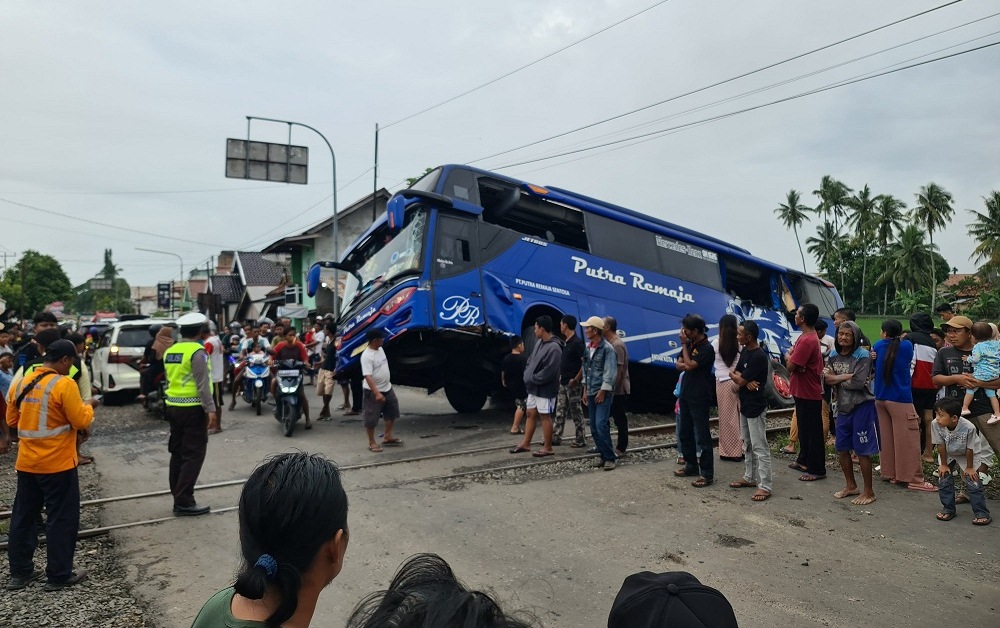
x,y
512,377
958,442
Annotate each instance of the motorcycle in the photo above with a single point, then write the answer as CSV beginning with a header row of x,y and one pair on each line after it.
x,y
256,381
287,407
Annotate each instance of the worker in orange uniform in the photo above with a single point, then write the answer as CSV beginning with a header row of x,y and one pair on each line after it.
x,y
48,412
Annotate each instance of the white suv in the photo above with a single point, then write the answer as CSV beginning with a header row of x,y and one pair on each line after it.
x,y
115,365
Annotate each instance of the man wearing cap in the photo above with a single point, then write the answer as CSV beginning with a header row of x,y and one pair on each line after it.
x,y
600,366
953,371
623,385
49,413
188,400
378,397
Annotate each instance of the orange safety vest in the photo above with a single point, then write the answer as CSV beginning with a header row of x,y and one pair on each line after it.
x,y
47,420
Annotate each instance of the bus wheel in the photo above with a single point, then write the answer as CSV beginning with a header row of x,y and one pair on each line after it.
x,y
779,392
464,398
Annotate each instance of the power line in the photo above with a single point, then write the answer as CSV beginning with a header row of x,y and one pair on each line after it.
x,y
788,81
717,84
748,109
90,221
526,66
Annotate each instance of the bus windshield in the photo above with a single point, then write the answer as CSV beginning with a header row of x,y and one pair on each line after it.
x,y
382,257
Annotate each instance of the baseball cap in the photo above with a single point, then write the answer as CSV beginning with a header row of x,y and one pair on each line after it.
x,y
676,599
374,333
594,321
60,349
958,322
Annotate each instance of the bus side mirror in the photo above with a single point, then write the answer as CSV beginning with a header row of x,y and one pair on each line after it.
x,y
396,209
312,280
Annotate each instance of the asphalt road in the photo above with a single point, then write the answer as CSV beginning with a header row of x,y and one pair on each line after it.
x,y
558,541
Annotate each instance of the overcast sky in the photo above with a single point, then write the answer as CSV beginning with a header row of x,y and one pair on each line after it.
x,y
116,113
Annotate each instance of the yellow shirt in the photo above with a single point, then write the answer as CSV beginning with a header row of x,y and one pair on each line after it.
x,y
47,421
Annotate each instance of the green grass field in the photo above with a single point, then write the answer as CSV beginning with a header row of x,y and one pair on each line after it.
x,y
872,325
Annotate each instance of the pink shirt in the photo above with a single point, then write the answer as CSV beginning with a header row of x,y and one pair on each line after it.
x,y
806,368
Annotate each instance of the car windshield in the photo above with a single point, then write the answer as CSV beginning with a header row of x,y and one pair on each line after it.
x,y
133,337
383,257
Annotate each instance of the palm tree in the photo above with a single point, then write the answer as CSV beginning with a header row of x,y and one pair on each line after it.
x,y
986,231
862,222
933,211
888,221
825,247
794,214
834,197
911,260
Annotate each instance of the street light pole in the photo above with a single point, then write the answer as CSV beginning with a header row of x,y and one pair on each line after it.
x,y
181,260
333,161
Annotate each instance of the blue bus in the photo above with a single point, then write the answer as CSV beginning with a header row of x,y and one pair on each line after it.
x,y
466,258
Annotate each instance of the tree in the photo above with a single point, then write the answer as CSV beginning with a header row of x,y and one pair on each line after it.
x,y
411,180
825,247
862,220
985,229
911,260
888,221
43,279
117,298
834,197
933,211
794,214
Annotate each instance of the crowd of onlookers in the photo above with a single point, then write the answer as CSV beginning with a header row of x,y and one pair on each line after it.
x,y
919,395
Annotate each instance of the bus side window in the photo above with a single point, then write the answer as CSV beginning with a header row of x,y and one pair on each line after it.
x,y
454,251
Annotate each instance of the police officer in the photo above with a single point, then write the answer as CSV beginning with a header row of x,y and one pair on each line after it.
x,y
188,399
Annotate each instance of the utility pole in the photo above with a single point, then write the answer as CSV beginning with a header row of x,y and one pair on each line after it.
x,y
374,180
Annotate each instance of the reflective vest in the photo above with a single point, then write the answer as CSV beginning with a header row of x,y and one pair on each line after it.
x,y
182,390
73,371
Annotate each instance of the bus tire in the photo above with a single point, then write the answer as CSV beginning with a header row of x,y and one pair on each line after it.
x,y
465,399
779,394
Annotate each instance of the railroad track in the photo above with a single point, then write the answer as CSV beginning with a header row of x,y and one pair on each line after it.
x,y
663,428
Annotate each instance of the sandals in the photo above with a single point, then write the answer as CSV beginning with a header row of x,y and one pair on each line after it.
x,y
809,477
702,483
925,487
947,516
788,449
798,467
392,442
742,484
982,521
519,450
375,449
541,453
761,496
682,473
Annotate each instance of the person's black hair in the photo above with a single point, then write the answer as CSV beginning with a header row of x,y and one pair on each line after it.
x,y
45,317
47,336
192,331
822,325
610,323
943,307
694,323
937,331
515,342
949,405
425,593
847,312
290,506
331,327
288,329
570,321
982,331
810,314
893,330
545,322
76,338
751,328
729,348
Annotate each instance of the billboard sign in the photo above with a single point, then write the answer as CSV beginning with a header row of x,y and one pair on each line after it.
x,y
264,161
163,295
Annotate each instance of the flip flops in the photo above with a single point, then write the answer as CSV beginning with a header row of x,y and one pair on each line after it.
x,y
925,487
541,453
809,477
375,449
519,450
392,442
945,516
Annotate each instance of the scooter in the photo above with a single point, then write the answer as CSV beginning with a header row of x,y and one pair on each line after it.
x,y
287,408
256,381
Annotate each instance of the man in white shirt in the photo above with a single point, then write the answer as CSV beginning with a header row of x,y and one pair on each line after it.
x,y
378,397
216,359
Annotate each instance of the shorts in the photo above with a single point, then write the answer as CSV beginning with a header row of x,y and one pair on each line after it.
x,y
856,430
324,383
371,409
544,405
923,399
990,393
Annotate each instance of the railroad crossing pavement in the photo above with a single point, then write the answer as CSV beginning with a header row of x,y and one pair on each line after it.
x,y
557,543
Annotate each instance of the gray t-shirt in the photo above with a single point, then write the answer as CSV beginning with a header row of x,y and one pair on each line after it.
x,y
958,440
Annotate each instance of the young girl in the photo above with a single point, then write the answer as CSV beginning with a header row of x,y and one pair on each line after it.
x,y
985,360
958,444
293,536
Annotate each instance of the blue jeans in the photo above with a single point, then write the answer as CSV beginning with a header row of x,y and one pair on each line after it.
x,y
600,425
695,439
946,491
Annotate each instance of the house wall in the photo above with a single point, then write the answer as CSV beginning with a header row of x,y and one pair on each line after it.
x,y
351,226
